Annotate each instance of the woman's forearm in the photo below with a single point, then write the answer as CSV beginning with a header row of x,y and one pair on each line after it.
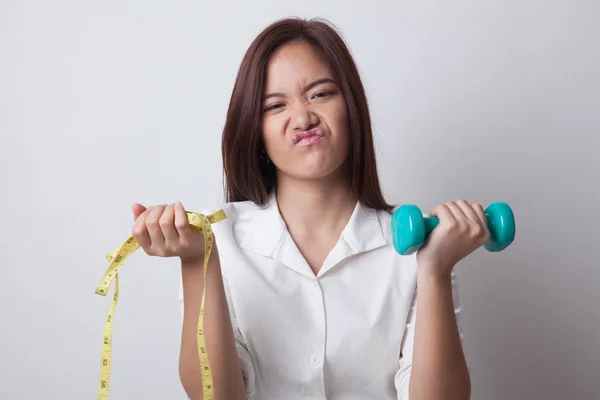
x,y
220,343
439,368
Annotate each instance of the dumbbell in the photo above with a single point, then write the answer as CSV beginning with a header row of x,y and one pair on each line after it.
x,y
410,229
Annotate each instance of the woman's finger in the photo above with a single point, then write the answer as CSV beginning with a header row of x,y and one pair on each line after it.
x,y
468,211
153,226
181,220
478,208
457,212
139,230
444,214
137,209
167,227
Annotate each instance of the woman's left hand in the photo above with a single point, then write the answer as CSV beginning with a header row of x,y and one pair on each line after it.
x,y
462,229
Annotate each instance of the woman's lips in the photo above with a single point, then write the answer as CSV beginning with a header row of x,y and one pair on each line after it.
x,y
309,137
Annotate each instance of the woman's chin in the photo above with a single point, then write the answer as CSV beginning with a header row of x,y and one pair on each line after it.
x,y
312,172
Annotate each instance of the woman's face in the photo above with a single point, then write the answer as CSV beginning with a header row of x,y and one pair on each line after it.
x,y
305,122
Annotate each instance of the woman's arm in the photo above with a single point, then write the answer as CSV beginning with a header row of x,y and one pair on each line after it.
x,y
439,368
218,332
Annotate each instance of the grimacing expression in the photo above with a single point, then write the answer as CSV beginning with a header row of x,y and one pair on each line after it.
x,y
305,122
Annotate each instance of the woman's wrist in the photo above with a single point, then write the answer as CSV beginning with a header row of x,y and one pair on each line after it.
x,y
192,262
434,274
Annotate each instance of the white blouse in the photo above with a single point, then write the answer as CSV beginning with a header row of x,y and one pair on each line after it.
x,y
346,333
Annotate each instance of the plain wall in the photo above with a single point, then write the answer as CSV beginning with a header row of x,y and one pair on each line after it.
x,y
103,104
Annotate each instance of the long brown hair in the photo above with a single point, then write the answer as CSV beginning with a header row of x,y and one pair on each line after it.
x,y
248,174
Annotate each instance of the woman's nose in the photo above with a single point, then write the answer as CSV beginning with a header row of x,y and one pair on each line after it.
x,y
303,118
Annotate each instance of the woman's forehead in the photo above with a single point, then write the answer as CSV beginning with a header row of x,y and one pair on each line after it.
x,y
295,65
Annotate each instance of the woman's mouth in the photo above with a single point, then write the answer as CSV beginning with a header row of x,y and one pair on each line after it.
x,y
309,137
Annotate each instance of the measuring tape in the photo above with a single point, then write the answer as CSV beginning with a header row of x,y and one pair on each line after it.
x,y
199,223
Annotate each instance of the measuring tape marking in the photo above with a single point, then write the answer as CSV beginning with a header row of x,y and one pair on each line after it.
x,y
117,257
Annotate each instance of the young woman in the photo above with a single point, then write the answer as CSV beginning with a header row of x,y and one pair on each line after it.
x,y
306,297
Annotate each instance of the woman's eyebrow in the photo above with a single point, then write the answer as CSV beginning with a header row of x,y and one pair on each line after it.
x,y
306,89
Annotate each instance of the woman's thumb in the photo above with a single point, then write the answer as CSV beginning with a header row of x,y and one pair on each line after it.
x,y
137,210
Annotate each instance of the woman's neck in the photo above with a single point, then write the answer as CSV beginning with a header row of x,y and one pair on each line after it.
x,y
316,207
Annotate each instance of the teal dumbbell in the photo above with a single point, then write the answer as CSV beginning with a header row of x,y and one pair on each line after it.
x,y
410,228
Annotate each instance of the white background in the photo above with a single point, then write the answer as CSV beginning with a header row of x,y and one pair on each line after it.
x,y
103,104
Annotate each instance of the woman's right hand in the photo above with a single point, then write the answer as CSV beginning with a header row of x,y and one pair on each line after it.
x,y
164,231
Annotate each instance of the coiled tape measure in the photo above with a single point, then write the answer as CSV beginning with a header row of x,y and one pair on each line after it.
x,y
199,223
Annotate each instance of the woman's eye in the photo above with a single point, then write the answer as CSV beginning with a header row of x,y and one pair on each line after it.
x,y
322,94
273,107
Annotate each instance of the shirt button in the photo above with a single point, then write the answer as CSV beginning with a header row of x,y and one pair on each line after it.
x,y
315,359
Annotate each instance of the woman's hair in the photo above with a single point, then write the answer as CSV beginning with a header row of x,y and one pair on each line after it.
x,y
248,174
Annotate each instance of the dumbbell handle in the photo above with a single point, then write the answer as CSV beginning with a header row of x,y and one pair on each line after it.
x,y
498,227
430,224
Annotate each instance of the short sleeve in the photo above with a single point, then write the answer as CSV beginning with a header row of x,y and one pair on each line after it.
x,y
402,377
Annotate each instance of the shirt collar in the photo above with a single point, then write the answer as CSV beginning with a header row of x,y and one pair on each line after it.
x,y
262,230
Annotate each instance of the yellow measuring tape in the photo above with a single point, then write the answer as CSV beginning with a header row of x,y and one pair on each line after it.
x,y
117,257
